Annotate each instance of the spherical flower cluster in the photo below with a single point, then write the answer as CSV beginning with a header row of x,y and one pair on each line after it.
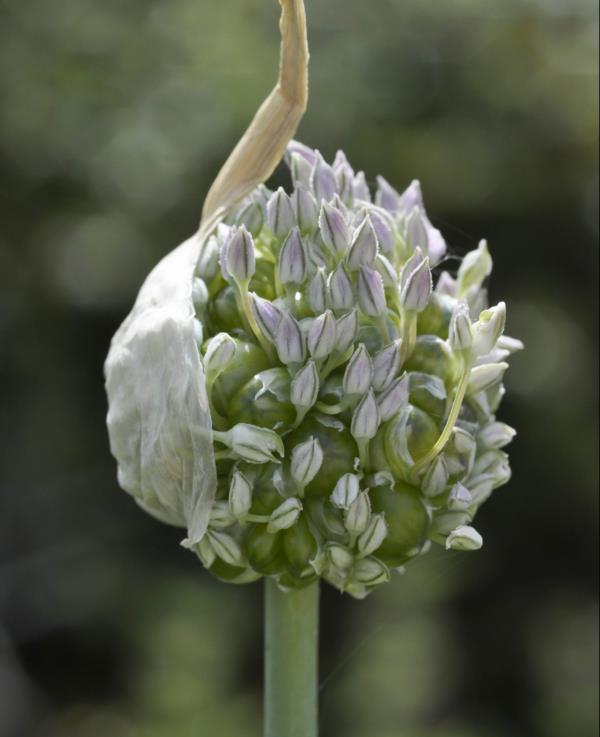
x,y
352,402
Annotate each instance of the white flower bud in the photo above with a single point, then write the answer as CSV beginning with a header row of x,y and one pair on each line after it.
x,y
226,548
365,419
446,285
317,292
199,293
460,332
361,188
464,538
204,550
221,516
254,444
370,572
304,388
280,214
219,352
496,435
359,372
208,261
322,180
358,513
300,169
307,459
488,329
322,335
240,495
386,365
250,215
371,294
436,477
340,557
386,196
387,272
266,315
393,399
415,230
285,516
346,491
341,289
334,229
459,498
363,248
476,266
293,259
306,208
383,224
373,536
239,256
290,341
485,376
346,329
417,287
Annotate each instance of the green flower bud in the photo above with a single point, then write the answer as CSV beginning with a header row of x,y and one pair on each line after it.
x,y
436,477
226,548
285,515
253,444
220,351
240,495
476,266
373,536
366,418
488,329
357,514
485,376
346,491
460,333
370,572
464,538
307,459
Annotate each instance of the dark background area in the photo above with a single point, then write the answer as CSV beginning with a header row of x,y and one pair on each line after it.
x,y
116,116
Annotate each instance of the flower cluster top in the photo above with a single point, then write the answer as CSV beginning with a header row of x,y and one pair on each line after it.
x,y
352,383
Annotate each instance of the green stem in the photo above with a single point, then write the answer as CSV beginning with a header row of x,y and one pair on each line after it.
x,y
291,661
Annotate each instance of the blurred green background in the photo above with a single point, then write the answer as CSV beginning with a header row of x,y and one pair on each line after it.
x,y
116,117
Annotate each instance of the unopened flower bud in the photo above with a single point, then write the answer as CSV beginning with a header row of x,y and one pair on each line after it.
x,y
460,333
290,341
387,271
285,516
322,335
317,292
334,229
386,196
240,260
386,365
436,477
307,459
373,536
339,556
371,294
370,572
280,214
266,315
219,352
346,491
475,267
363,248
293,260
251,216
304,388
255,444
306,208
300,169
464,538
459,498
393,399
240,495
221,516
383,225
359,372
484,376
358,513
208,262
416,230
496,435
344,175
446,284
199,293
365,419
204,551
488,329
323,180
417,288
341,289
226,548
361,188
346,329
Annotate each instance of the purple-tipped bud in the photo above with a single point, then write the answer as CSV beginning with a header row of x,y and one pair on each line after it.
x,y
363,248
304,389
359,372
219,352
302,150
344,175
373,536
460,332
240,495
250,216
347,327
322,335
307,459
306,208
300,169
415,230
436,477
387,271
280,214
386,365
322,180
361,188
365,419
417,288
340,289
340,161
317,292
358,514
459,498
383,224
393,399
285,516
346,491
293,259
334,229
371,293
446,284
266,315
290,341
495,435
386,196
240,261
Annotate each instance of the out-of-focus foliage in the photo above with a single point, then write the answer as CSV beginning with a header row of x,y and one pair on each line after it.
x,y
115,118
